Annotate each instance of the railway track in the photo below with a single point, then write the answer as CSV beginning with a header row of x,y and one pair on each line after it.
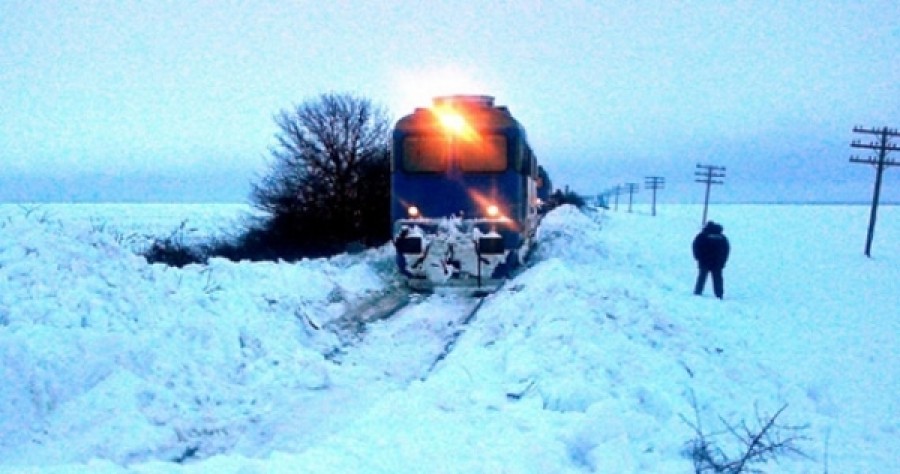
x,y
400,335
352,324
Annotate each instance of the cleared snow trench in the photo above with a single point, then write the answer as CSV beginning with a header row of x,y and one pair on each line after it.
x,y
419,330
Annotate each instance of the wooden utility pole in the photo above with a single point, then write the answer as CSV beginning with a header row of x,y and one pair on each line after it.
x,y
632,188
709,175
654,183
609,196
883,146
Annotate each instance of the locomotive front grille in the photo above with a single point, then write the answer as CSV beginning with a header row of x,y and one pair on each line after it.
x,y
490,245
409,245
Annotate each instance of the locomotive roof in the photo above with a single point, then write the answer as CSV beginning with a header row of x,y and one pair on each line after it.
x,y
479,111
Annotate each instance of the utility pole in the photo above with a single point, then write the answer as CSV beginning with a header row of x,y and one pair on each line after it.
x,y
632,188
709,175
883,146
616,191
654,183
608,196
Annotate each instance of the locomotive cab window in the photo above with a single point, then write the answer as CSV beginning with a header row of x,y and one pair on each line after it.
x,y
487,154
425,154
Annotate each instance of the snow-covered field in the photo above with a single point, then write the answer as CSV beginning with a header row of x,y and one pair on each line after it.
x,y
134,225
592,360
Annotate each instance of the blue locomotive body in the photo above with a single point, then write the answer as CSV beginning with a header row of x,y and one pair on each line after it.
x,y
464,198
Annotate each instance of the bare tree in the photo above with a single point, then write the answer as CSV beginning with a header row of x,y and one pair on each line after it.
x,y
329,181
752,445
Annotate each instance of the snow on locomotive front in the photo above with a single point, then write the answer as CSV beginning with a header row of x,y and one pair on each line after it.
x,y
464,203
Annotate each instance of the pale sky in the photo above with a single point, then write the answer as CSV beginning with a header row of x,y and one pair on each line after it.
x,y
173,100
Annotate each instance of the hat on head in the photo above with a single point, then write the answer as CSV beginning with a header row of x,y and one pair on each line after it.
x,y
713,228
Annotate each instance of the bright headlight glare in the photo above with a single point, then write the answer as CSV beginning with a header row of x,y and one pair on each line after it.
x,y
412,211
493,211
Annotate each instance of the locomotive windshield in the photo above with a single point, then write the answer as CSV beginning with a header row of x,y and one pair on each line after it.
x,y
428,153
487,154
425,154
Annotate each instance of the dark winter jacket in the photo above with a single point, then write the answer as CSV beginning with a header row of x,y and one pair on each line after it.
x,y
711,247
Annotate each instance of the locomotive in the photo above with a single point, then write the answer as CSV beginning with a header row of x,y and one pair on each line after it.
x,y
465,194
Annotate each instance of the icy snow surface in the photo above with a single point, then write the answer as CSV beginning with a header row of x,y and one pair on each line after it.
x,y
587,362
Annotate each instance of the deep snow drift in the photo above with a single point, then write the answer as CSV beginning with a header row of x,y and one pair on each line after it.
x,y
587,362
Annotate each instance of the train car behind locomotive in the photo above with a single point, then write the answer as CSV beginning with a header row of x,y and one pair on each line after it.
x,y
464,198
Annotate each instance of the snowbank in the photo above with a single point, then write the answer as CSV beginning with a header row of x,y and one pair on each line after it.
x,y
597,358
106,356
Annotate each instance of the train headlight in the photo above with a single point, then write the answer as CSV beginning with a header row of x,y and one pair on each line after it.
x,y
412,211
493,211
453,122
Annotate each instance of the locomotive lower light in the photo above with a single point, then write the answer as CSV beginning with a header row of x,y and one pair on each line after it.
x,y
413,211
493,211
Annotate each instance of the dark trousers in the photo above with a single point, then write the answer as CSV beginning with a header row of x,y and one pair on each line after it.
x,y
718,283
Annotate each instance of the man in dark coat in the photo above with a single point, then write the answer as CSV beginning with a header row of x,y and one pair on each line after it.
x,y
711,250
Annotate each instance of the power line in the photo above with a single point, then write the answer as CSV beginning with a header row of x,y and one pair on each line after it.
x,y
615,193
631,188
654,183
709,175
883,146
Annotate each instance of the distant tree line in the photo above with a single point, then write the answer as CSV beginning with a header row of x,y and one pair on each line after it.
x,y
560,197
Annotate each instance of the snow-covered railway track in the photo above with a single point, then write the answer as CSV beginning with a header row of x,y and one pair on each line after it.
x,y
388,342
403,336
352,324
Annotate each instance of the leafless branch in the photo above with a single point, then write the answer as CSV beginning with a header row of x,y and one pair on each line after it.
x,y
759,444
